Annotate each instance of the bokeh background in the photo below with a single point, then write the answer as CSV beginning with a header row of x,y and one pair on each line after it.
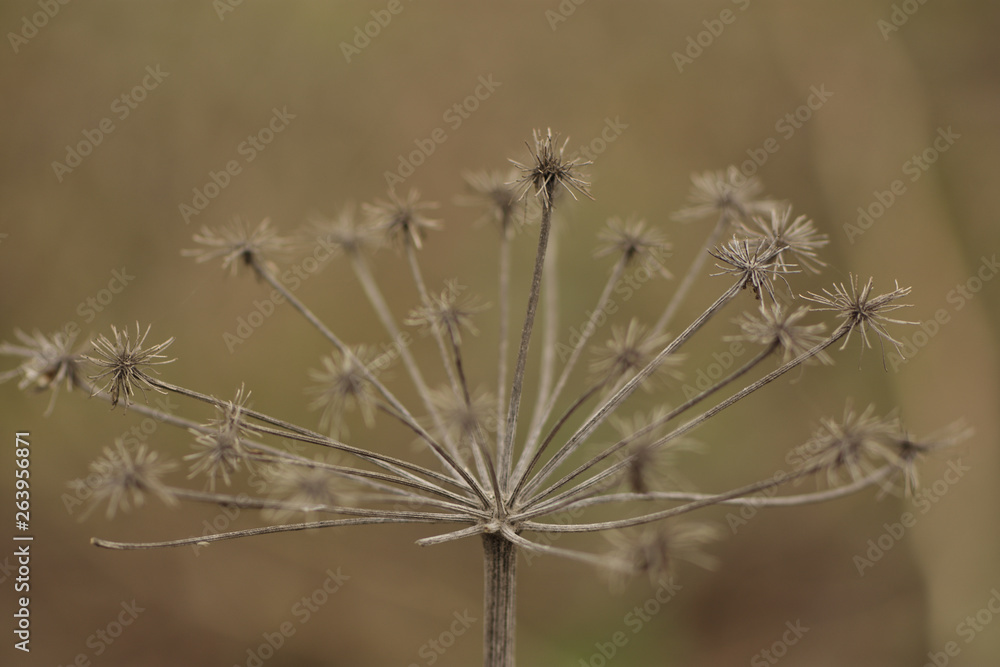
x,y
574,68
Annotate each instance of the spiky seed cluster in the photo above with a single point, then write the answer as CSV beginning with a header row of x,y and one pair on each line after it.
x,y
401,220
648,467
494,192
796,238
634,242
464,420
912,450
48,363
861,311
220,446
854,445
753,261
343,233
724,192
343,386
305,488
779,325
240,244
655,551
549,170
125,477
448,312
631,349
127,363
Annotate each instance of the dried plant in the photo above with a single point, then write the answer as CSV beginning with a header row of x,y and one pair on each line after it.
x,y
491,477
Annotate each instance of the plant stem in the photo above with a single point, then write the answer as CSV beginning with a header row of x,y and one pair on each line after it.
x,y
499,595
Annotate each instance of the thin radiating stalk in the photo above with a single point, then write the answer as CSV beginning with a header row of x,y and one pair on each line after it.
x,y
672,414
693,423
588,331
204,540
550,334
443,455
503,311
499,600
756,487
693,273
756,501
612,403
505,454
292,431
374,295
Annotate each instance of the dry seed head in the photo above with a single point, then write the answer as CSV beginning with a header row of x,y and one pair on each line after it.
x,y
127,364
630,350
125,477
220,445
401,221
238,244
796,238
863,312
344,385
778,324
549,170
48,362
714,193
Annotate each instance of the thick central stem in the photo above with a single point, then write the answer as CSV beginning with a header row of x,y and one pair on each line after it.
x,y
499,596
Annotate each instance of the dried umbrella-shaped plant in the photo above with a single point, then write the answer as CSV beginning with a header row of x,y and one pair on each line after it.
x,y
493,478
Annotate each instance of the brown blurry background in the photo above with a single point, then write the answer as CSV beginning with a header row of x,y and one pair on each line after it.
x,y
62,239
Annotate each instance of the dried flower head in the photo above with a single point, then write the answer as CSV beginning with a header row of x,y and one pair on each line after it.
x,y
753,261
548,170
48,362
630,350
127,364
125,477
854,445
778,325
343,233
634,242
238,244
448,312
344,385
648,468
862,311
463,420
307,487
912,450
797,238
494,192
401,221
654,551
727,192
221,444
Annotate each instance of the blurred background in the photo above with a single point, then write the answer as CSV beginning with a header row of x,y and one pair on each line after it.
x,y
687,86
